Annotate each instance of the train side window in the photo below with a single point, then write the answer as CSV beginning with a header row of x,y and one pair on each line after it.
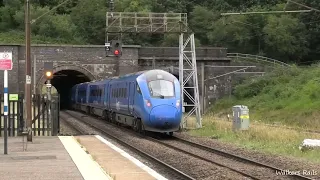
x,y
138,89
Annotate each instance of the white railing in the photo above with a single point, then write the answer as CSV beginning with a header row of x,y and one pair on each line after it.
x,y
257,58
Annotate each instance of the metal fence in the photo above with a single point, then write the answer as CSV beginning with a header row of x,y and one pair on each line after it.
x,y
42,125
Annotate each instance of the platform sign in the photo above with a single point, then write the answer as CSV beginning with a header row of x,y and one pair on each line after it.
x,y
13,97
5,60
5,65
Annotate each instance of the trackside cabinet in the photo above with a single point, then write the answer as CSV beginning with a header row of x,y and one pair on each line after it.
x,y
240,117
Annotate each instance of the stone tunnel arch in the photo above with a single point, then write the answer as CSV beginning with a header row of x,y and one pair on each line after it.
x,y
175,71
64,78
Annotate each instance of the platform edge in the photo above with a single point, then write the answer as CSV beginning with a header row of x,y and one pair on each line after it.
x,y
89,169
132,159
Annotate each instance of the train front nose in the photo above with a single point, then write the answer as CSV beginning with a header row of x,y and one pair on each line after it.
x,y
165,117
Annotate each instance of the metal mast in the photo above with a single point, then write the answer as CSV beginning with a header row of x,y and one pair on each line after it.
x,y
28,72
188,69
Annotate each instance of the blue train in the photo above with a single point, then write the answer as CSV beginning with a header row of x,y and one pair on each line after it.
x,y
146,100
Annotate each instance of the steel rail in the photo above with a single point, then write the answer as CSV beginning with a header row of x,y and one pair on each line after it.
x,y
233,156
202,158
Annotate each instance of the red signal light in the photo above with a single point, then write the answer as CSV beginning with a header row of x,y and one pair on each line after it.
x,y
116,52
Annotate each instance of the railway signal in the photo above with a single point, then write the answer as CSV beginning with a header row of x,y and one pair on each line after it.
x,y
48,70
114,48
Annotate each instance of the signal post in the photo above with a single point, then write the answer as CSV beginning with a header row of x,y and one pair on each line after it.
x,y
114,49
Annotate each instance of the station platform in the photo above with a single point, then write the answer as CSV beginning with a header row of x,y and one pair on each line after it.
x,y
68,157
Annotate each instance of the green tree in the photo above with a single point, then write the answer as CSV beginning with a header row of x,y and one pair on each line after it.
x,y
90,19
201,21
231,32
285,36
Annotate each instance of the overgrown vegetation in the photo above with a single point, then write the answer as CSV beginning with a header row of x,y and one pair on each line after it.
x,y
286,96
275,140
291,37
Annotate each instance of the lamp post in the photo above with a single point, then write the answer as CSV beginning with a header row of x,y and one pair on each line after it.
x,y
27,92
27,97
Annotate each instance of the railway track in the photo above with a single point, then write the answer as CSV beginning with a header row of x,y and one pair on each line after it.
x,y
174,172
256,167
71,126
253,170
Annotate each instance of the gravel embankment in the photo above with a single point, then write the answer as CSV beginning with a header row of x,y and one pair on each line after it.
x,y
285,163
254,170
194,167
73,127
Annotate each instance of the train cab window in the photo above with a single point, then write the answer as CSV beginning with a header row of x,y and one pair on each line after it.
x,y
161,88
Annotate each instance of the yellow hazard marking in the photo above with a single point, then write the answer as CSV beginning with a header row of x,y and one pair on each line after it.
x,y
244,116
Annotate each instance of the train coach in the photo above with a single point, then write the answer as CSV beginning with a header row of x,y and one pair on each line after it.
x,y
146,100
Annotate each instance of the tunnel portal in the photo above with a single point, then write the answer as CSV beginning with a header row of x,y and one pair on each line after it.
x,y
63,81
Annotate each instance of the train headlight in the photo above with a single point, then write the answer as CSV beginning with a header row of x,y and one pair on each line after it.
x,y
178,103
148,103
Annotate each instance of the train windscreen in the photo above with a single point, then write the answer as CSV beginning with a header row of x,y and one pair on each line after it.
x,y
160,84
161,88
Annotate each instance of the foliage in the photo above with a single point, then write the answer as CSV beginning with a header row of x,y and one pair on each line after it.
x,y
287,96
291,37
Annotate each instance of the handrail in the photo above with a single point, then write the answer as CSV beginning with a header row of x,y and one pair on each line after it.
x,y
257,58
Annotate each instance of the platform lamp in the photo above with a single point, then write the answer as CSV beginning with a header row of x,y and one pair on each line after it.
x,y
48,70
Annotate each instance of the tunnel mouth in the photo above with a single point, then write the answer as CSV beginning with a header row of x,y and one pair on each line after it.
x,y
63,81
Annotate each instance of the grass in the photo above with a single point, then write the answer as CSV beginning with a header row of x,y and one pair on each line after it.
x,y
287,97
274,140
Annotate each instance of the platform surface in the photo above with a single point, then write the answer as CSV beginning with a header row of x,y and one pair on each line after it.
x,y
116,162
68,157
45,159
